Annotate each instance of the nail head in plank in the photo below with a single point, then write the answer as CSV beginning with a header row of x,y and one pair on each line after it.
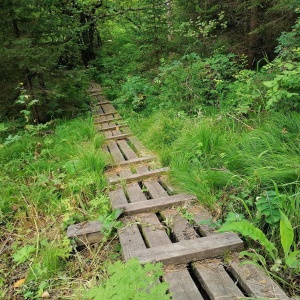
x,y
191,250
154,231
139,176
216,282
255,282
154,205
182,286
131,240
86,232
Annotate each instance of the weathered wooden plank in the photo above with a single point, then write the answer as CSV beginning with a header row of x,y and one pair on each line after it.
x,y
135,161
182,286
108,108
117,198
105,121
108,135
202,215
115,152
181,228
135,193
102,102
125,148
109,113
154,231
119,137
110,127
155,189
154,205
216,282
255,282
86,233
138,146
131,240
140,176
191,250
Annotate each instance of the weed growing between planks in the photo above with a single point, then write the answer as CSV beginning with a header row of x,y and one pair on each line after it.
x,y
239,168
49,181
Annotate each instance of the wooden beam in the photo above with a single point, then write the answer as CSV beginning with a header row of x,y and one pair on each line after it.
x,y
139,176
154,205
191,250
114,127
134,161
119,136
107,121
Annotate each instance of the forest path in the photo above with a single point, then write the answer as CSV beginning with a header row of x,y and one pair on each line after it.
x,y
162,225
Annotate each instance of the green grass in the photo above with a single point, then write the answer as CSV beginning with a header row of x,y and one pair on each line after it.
x,y
228,163
47,183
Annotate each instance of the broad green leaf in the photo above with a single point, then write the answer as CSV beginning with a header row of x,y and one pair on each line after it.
x,y
293,260
286,234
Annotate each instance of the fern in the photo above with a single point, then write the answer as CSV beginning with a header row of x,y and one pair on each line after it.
x,y
245,228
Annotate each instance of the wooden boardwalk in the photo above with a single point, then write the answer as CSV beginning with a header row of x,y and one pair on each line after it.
x,y
163,226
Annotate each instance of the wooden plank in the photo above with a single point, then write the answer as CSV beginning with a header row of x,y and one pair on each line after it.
x,y
102,102
112,127
125,148
191,250
109,113
255,282
131,240
86,233
135,161
117,198
216,282
182,286
155,189
140,176
108,135
115,152
153,231
181,228
119,137
108,108
135,193
154,205
138,146
202,215
105,121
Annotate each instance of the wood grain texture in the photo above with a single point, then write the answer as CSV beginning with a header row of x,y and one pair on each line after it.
x,y
182,286
117,198
99,121
154,205
140,176
153,231
155,189
191,250
255,282
125,148
134,161
135,193
131,240
216,282
115,152
118,137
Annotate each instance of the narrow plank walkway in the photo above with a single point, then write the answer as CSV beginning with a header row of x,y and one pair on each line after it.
x,y
163,226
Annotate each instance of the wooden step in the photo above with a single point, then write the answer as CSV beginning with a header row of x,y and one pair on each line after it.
x,y
154,205
114,127
119,136
181,285
107,114
102,102
191,250
139,176
216,282
107,121
255,283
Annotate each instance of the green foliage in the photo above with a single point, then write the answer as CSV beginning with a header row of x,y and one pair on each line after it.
x,y
131,280
268,205
110,223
